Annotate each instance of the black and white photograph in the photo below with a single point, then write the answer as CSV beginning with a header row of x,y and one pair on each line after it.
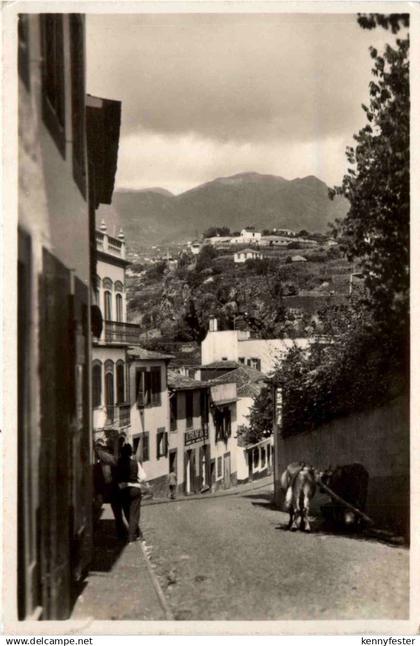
x,y
209,332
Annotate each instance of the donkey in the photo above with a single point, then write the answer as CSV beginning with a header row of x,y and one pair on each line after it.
x,y
299,482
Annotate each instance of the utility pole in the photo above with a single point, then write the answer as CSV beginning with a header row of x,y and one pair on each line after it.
x,y
277,437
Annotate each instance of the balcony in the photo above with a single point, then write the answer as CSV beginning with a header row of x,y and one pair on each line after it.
x,y
116,332
117,416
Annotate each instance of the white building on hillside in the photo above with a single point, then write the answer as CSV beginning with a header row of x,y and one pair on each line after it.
x,y
246,254
235,345
249,234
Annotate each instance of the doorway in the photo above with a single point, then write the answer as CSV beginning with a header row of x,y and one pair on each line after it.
x,y
226,471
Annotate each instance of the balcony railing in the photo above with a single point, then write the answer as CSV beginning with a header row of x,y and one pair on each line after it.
x,y
118,416
116,332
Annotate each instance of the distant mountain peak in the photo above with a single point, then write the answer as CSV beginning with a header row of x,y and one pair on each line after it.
x,y
152,189
248,176
309,179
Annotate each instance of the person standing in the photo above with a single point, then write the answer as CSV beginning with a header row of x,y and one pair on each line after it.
x,y
130,488
109,485
172,479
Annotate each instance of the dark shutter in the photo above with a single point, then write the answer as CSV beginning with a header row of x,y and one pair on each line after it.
x,y
53,88
77,57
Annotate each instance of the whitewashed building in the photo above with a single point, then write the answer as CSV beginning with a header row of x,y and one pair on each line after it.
x,y
239,347
246,254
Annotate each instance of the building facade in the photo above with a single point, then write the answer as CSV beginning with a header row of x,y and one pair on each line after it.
x,y
246,254
110,373
149,412
58,178
238,347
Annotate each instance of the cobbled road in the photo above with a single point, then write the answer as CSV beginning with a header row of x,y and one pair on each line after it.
x,y
229,558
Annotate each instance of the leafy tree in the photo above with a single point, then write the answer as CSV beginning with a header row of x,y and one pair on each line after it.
x,y
365,364
377,185
216,231
206,257
260,417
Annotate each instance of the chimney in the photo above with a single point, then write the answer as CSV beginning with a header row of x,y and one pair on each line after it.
x,y
213,325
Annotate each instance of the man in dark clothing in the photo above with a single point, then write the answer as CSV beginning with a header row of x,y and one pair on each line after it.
x,y
111,492
129,485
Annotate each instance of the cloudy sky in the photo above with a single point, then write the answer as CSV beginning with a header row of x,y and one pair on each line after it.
x,y
210,95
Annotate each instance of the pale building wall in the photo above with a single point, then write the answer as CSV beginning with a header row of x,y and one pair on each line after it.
x,y
217,345
220,393
150,419
269,351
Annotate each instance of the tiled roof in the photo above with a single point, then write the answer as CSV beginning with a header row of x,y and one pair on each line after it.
x,y
229,365
181,382
240,375
249,390
248,380
192,358
147,355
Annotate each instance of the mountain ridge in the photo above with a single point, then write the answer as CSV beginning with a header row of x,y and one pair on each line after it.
x,y
156,216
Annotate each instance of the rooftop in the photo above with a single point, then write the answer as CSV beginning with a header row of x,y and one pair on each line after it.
x,y
248,250
216,365
248,380
180,382
138,352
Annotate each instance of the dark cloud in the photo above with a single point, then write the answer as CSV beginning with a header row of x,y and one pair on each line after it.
x,y
268,80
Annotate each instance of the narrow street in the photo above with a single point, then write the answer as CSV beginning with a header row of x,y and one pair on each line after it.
x,y
228,558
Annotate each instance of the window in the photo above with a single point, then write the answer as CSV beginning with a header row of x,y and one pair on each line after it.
x,y
255,363
189,407
242,360
262,458
148,387
256,456
136,443
173,407
96,384
144,449
268,454
223,424
108,306
77,57
155,386
120,382
219,472
161,443
204,407
53,99
109,390
119,307
23,52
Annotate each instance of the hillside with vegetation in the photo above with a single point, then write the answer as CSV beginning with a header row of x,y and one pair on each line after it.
x,y
272,296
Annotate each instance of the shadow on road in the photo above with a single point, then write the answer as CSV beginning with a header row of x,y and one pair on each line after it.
x,y
321,527
107,548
